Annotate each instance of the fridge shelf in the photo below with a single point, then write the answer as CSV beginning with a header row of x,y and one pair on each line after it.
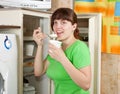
x,y
28,74
28,58
8,27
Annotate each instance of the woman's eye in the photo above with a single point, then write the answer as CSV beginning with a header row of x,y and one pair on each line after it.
x,y
64,22
55,22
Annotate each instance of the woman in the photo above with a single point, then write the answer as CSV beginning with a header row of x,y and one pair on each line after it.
x,y
68,66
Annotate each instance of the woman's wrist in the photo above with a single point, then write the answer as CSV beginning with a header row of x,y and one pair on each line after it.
x,y
39,46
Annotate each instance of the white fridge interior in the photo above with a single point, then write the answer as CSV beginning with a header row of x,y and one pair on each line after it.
x,y
41,84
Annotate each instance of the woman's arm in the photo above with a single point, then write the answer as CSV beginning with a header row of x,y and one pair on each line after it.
x,y
82,77
39,64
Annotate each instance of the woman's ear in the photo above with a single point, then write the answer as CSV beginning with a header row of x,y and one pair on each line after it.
x,y
74,26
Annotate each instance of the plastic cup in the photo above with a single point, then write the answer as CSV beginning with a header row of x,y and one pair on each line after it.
x,y
56,43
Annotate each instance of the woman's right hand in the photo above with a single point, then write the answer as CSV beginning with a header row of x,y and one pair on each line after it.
x,y
38,36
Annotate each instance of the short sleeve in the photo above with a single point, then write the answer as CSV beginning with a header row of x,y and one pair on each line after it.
x,y
81,56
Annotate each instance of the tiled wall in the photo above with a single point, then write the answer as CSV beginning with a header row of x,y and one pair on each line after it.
x,y
110,83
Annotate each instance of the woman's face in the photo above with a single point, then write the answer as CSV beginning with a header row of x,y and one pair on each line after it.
x,y
64,29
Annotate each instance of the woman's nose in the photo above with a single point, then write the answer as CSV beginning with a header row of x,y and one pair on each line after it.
x,y
58,25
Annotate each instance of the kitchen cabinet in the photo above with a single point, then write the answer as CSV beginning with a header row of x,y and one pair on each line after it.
x,y
22,22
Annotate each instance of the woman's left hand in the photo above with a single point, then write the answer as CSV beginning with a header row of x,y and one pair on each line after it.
x,y
56,53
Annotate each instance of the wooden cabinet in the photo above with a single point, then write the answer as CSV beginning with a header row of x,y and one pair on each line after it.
x,y
22,22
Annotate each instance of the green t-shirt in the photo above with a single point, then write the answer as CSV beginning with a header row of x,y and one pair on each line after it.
x,y
78,54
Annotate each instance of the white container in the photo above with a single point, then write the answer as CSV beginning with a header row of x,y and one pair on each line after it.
x,y
56,43
29,49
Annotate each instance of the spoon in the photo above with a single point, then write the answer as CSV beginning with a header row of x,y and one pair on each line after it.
x,y
53,36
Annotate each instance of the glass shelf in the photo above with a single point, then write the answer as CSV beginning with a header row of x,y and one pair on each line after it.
x,y
28,58
28,38
8,26
28,74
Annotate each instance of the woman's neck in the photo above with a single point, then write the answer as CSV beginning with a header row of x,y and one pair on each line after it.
x,y
67,43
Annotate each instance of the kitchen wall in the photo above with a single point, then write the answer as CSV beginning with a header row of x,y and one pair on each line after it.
x,y
61,3
110,75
